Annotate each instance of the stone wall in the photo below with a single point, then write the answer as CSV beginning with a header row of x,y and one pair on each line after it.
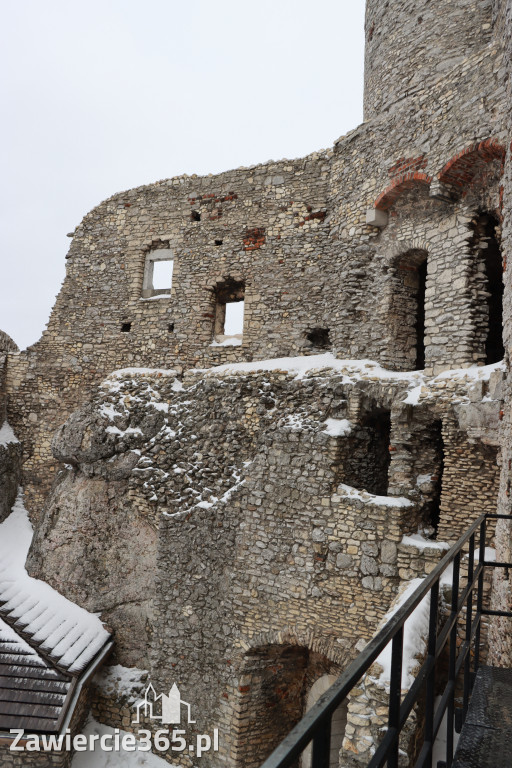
x,y
230,526
501,628
10,448
293,236
224,534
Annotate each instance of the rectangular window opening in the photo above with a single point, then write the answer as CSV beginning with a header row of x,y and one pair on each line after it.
x,y
234,320
162,275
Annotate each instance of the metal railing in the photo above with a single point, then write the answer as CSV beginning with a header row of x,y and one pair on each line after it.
x,y
315,727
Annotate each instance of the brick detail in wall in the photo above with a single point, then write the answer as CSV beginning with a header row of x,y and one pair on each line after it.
x,y
398,186
461,169
254,238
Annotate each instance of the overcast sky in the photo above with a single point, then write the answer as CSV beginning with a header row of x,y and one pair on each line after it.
x,y
103,95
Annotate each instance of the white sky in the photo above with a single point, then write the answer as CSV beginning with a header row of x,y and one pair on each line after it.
x,y
104,95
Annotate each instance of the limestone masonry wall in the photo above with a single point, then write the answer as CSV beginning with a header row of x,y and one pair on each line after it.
x,y
240,520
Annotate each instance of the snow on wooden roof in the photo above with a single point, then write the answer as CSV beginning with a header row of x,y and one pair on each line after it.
x,y
64,634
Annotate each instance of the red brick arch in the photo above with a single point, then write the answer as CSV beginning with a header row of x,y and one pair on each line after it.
x,y
460,171
398,186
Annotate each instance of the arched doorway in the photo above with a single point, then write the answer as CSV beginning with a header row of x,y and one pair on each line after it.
x,y
338,722
277,685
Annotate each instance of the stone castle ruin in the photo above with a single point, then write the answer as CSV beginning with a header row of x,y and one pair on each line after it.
x,y
267,399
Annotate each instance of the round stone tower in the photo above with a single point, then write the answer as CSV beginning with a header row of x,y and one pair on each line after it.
x,y
411,43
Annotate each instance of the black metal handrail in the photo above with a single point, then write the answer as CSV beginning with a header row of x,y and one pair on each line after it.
x,y
315,726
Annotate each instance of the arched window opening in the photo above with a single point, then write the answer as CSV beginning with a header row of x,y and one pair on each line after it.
x,y
407,314
229,312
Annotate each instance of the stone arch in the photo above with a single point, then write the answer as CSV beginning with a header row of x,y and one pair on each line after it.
x,y
406,307
398,186
276,673
460,171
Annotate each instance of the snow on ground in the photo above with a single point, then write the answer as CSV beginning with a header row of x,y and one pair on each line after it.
x,y
68,633
347,492
7,435
97,758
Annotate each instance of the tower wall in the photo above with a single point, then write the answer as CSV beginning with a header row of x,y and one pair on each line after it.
x,y
410,45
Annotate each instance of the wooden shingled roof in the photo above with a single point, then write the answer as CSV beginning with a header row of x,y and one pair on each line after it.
x,y
33,693
49,646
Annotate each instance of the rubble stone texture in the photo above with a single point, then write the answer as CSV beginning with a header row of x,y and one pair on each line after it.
x,y
241,529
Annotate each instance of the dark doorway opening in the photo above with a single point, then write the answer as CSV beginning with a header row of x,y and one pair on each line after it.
x,y
366,459
436,446
419,325
494,349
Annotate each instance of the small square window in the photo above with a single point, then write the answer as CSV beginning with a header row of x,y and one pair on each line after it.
x,y
158,273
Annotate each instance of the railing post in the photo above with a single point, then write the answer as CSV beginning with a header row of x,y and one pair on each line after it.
x,y
450,717
395,694
480,593
469,618
322,746
431,677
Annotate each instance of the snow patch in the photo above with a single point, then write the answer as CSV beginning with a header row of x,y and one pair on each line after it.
x,y
294,422
347,492
123,432
97,758
420,542
338,427
301,366
229,341
415,633
7,435
414,395
123,681
473,373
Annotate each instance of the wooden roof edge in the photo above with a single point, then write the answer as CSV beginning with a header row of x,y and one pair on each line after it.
x,y
71,700
12,623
